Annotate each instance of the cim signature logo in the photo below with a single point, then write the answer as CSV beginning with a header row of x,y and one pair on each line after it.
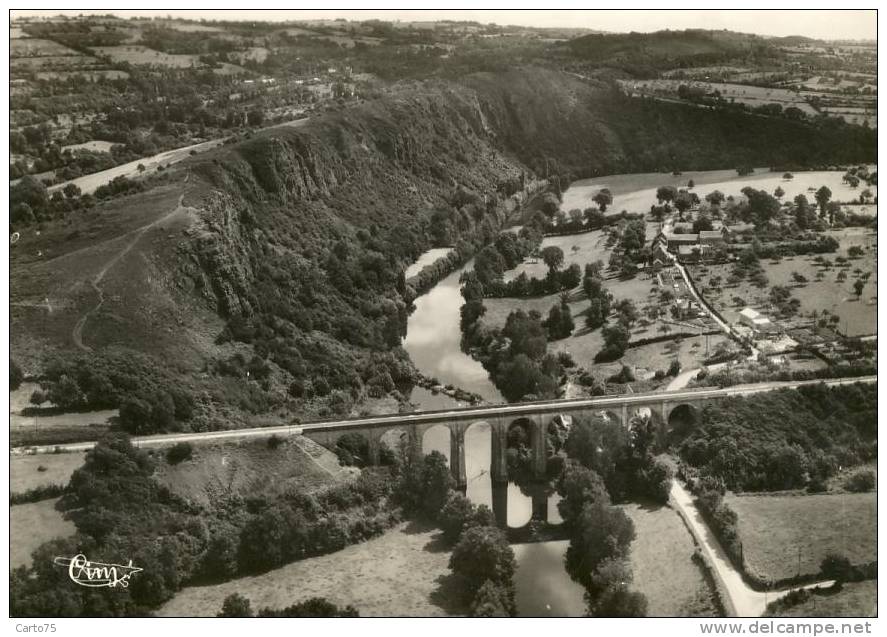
x,y
97,574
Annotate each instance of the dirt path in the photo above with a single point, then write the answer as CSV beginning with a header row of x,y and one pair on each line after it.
x,y
77,333
740,600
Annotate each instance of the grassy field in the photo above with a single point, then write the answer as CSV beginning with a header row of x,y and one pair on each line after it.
x,y
857,599
637,192
402,573
24,471
751,95
664,571
137,54
858,316
250,466
776,530
30,525
51,427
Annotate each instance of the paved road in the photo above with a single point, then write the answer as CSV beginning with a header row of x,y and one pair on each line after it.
x,y
741,600
480,412
90,183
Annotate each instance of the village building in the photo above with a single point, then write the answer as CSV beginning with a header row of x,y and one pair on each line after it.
x,y
712,237
756,321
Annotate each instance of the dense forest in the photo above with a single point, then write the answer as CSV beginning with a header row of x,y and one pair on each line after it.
x,y
786,439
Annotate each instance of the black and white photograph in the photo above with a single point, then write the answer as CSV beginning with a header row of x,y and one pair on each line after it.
x,y
443,313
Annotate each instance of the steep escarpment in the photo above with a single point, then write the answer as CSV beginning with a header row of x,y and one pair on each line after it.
x,y
302,235
560,122
267,275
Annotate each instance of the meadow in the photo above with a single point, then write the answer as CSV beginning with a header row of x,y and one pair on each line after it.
x,y
663,565
788,535
33,524
137,54
401,573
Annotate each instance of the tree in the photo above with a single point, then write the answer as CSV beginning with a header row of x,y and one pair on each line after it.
x,y
15,375
702,222
29,191
66,393
779,192
666,194
599,444
837,567
314,607
436,483
549,204
459,514
603,198
236,605
691,184
865,195
616,340
482,554
493,600
804,216
788,176
715,198
601,531
858,286
683,202
619,602
579,485
823,195
71,190
560,321
553,257
255,117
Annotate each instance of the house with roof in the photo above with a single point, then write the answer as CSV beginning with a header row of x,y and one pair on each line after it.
x,y
659,254
712,237
676,240
691,253
756,321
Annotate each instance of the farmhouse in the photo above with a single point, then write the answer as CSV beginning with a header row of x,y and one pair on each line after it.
x,y
676,240
755,320
690,253
659,255
712,237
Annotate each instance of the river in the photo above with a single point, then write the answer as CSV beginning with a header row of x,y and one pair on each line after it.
x,y
543,587
433,338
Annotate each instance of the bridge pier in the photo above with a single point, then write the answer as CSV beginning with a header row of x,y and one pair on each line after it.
x,y
540,504
500,504
457,456
540,452
498,457
374,443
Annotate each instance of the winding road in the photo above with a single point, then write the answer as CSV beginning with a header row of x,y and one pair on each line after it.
x,y
740,600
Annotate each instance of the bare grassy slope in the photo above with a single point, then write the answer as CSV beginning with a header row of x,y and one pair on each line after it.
x,y
251,468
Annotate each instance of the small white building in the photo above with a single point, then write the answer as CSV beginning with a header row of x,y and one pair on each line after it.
x,y
755,320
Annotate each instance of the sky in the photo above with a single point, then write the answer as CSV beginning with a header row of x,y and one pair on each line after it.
x,y
821,24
